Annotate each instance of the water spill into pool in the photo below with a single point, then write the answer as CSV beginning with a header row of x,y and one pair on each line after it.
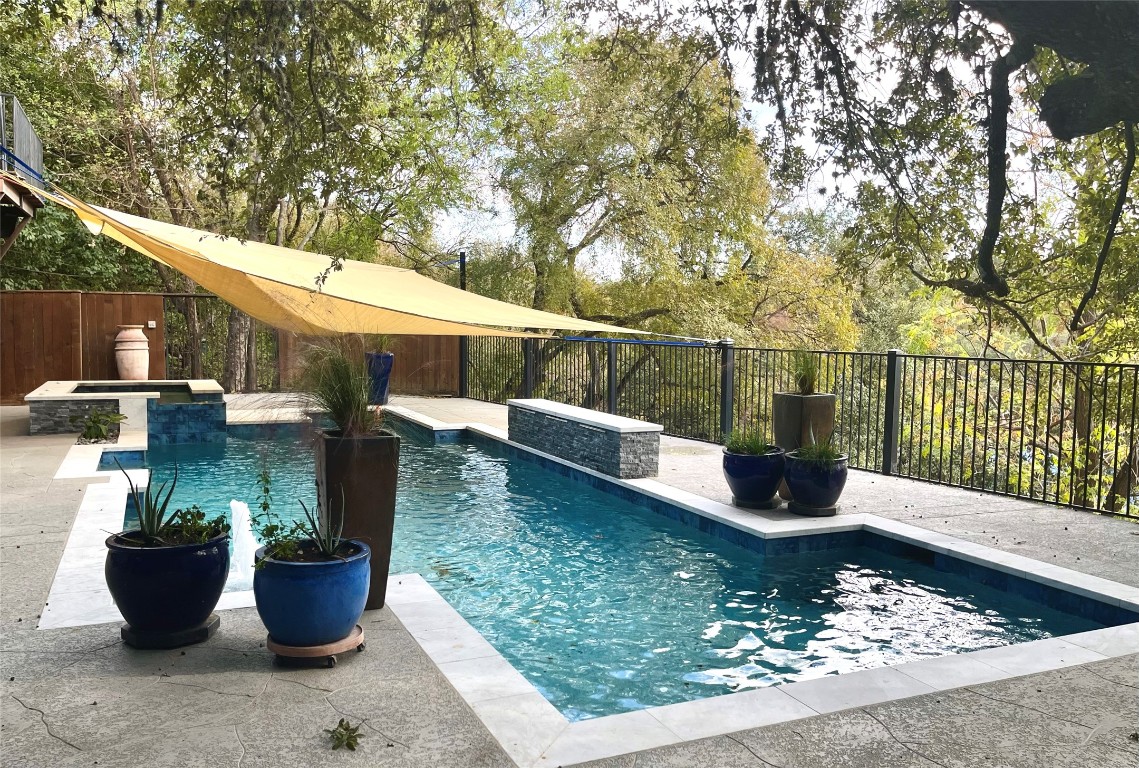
x,y
606,607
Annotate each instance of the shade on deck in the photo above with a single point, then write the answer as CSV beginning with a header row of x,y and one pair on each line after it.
x,y
278,286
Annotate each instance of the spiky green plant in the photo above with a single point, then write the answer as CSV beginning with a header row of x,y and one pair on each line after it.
x,y
285,540
748,443
324,532
823,453
335,374
151,506
345,735
805,369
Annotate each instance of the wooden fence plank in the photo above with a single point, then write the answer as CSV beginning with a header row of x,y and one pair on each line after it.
x,y
68,335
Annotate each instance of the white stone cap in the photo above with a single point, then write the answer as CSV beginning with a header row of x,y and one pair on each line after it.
x,y
65,390
585,416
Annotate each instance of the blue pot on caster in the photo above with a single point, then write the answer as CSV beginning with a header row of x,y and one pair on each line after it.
x,y
754,479
314,602
815,487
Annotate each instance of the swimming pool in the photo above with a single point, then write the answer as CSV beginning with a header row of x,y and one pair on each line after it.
x,y
607,606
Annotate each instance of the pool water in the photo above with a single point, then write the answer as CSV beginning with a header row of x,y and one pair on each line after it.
x,y
608,607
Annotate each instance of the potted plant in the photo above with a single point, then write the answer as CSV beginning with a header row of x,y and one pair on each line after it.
x,y
816,474
309,583
356,460
167,576
753,469
798,415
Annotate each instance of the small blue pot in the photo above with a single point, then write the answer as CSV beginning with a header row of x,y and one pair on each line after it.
x,y
754,479
165,589
303,604
813,485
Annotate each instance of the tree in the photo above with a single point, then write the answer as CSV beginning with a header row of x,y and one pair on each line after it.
x,y
266,120
916,99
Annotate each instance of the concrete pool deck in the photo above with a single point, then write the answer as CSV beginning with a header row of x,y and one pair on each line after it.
x,y
78,697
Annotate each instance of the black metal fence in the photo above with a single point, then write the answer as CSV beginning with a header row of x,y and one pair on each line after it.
x,y
1064,433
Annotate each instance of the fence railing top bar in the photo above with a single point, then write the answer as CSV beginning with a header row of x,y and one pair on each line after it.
x,y
1022,361
641,342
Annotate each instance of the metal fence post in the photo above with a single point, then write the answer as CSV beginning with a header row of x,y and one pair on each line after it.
x,y
528,367
727,386
892,403
464,361
464,349
611,379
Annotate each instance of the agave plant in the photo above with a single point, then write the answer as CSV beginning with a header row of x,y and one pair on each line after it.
x,y
325,533
152,505
283,541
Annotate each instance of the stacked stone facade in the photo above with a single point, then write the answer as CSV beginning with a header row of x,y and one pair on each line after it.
x,y
620,454
54,417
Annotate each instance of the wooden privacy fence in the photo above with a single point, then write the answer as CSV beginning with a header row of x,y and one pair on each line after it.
x,y
70,335
424,365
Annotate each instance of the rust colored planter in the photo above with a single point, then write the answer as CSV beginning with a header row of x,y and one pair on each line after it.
x,y
366,469
795,417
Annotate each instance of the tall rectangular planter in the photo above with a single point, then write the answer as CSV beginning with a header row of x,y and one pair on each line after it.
x,y
796,417
366,469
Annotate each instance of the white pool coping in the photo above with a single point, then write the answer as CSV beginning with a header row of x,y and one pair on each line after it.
x,y
606,421
530,729
65,390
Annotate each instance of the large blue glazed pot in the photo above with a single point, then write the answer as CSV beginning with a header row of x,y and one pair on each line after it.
x,y
815,485
165,589
315,603
753,479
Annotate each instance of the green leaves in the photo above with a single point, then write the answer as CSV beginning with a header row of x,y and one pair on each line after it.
x,y
345,735
97,423
151,506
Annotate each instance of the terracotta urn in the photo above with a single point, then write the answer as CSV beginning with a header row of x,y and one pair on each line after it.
x,y
132,353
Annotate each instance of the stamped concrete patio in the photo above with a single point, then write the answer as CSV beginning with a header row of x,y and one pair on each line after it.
x,y
76,696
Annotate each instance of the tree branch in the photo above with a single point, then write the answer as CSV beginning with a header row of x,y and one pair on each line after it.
x,y
1000,100
1120,199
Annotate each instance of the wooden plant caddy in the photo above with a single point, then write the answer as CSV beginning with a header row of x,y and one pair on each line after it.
x,y
316,655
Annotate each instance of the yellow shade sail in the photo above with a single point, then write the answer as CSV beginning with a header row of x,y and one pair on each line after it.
x,y
278,286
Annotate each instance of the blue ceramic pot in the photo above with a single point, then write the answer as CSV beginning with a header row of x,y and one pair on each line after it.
x,y
754,479
815,485
165,589
314,603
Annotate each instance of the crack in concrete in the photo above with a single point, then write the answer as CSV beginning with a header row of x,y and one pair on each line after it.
x,y
171,681
240,743
273,676
909,746
1092,672
754,754
365,721
43,719
1025,706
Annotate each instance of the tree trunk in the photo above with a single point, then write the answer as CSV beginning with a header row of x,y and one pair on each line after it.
x,y
237,340
251,358
194,338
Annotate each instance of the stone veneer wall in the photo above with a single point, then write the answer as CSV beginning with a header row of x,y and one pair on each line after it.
x,y
53,417
198,422
620,454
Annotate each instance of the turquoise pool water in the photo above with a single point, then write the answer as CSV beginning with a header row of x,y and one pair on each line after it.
x,y
608,607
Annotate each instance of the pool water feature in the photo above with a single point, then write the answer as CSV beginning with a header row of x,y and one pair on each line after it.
x,y
606,606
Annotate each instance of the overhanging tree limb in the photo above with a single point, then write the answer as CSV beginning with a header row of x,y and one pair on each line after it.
x,y
1000,100
1117,212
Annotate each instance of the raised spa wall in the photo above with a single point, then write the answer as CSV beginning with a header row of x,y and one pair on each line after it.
x,y
200,418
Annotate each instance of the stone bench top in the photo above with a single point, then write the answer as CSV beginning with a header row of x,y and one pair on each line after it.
x,y
585,416
65,390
